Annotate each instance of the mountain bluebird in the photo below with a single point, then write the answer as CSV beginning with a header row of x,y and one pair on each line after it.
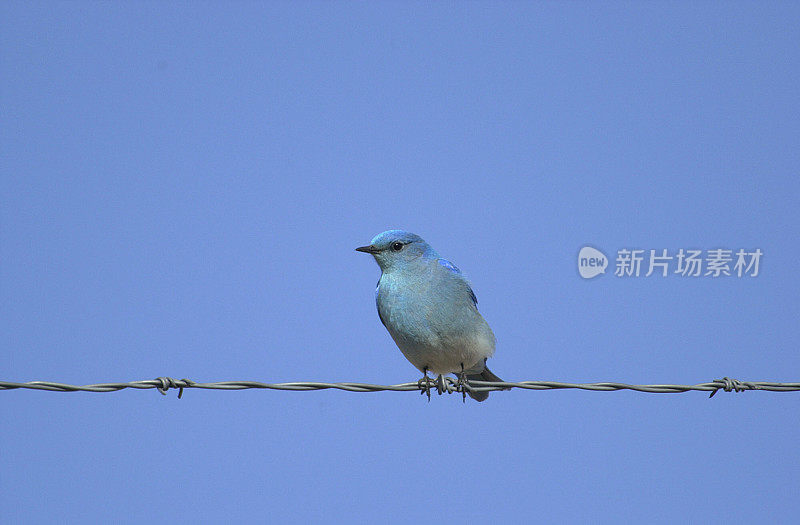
x,y
430,311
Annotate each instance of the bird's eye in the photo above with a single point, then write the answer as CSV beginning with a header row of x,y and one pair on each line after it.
x,y
397,246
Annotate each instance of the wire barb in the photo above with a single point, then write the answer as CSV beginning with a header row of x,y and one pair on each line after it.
x,y
448,385
168,382
729,384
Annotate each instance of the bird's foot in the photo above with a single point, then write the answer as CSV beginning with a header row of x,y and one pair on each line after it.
x,y
462,384
425,385
441,387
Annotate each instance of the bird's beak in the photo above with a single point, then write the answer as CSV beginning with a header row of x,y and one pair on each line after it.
x,y
368,249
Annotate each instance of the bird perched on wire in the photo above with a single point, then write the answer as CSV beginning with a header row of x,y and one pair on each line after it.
x,y
430,311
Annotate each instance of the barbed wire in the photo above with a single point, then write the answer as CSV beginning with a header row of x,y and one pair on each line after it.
x,y
444,385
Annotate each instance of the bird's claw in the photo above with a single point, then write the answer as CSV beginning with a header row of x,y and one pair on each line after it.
x,y
441,383
440,386
462,384
425,385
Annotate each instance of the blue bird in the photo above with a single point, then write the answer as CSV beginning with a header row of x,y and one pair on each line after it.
x,y
430,310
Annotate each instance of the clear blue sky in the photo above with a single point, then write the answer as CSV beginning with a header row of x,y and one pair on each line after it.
x,y
183,185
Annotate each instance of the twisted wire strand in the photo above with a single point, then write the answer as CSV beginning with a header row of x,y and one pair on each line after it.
x,y
449,385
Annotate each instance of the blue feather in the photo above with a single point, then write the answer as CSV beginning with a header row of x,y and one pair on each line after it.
x,y
450,266
453,268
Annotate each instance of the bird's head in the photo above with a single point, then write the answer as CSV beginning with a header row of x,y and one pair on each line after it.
x,y
394,248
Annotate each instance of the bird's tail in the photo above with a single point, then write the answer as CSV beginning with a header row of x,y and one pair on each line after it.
x,y
486,375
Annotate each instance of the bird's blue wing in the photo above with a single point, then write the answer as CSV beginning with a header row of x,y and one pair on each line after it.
x,y
450,266
453,268
472,295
